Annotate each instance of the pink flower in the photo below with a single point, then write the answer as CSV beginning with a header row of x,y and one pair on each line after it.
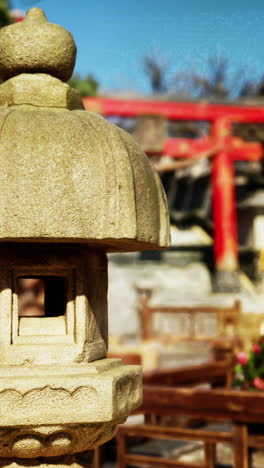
x,y
259,383
242,358
256,348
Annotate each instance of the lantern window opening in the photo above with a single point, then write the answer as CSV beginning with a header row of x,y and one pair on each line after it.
x,y
43,305
41,296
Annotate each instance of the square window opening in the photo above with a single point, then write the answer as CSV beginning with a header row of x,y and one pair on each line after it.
x,y
41,296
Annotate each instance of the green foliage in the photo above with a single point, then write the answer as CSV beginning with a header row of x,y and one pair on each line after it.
x,y
249,373
87,86
5,18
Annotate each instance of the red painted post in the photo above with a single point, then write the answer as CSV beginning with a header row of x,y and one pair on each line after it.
x,y
224,211
17,15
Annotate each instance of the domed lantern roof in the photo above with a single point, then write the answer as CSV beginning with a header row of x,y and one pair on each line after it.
x,y
67,175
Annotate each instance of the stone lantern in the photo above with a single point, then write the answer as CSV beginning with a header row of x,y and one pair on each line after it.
x,y
73,187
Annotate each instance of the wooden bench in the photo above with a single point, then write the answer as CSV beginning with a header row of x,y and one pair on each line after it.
x,y
158,350
215,374
230,322
227,321
216,404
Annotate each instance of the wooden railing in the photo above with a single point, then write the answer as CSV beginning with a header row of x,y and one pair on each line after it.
x,y
173,398
227,320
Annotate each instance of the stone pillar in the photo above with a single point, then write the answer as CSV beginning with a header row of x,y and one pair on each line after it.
x,y
73,187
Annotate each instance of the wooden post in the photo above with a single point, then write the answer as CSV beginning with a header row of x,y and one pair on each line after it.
x,y
209,455
224,213
121,449
240,443
97,457
144,295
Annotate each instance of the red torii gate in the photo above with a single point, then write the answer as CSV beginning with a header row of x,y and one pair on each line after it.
x,y
226,147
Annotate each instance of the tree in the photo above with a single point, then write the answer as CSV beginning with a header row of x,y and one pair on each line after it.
x,y
5,17
259,90
156,71
87,86
219,81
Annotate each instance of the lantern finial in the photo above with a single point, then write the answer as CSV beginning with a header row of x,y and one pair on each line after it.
x,y
36,46
36,14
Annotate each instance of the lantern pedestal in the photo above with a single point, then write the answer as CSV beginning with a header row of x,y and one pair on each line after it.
x,y
49,411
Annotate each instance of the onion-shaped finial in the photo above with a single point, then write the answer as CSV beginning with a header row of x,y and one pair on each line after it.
x,y
36,46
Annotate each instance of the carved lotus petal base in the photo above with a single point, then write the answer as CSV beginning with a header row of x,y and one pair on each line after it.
x,y
54,411
82,460
53,441
97,392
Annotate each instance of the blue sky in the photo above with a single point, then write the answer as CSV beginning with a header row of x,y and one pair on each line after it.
x,y
113,36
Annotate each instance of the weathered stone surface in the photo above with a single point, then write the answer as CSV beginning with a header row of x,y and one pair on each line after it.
x,y
34,45
54,441
73,176
68,175
85,404
78,394
81,402
73,187
83,460
39,90
85,336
